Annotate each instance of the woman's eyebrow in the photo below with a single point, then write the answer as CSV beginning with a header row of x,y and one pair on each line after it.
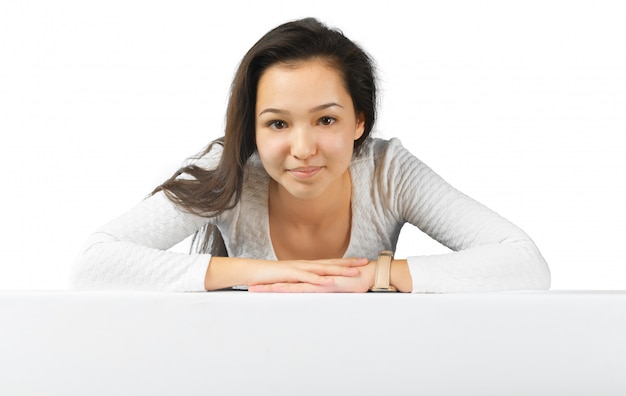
x,y
271,110
324,106
313,110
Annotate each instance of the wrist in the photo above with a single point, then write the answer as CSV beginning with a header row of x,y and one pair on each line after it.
x,y
400,276
224,272
382,273
371,271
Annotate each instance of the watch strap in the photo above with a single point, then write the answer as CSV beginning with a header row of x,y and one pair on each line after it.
x,y
383,270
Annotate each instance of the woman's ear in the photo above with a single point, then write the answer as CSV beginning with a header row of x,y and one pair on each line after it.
x,y
360,125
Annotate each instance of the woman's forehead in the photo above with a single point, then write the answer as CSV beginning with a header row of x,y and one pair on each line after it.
x,y
303,86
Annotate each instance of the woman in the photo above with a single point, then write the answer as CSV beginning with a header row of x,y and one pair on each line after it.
x,y
298,197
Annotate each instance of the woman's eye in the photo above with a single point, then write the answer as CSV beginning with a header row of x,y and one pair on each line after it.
x,y
327,120
277,124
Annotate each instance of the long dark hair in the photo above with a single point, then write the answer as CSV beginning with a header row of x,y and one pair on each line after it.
x,y
211,192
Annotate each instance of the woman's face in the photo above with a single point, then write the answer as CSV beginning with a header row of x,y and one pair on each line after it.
x,y
306,126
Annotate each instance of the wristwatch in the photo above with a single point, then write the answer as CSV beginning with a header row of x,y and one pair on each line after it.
x,y
383,268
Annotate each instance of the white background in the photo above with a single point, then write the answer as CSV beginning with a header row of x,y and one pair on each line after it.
x,y
521,105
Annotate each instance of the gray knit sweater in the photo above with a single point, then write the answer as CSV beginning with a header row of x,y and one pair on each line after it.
x,y
390,187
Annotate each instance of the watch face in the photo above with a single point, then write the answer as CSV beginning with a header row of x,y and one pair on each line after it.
x,y
389,290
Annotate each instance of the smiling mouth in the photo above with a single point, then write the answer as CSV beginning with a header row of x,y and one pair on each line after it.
x,y
306,172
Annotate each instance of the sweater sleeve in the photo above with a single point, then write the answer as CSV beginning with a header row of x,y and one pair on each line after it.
x,y
489,252
130,252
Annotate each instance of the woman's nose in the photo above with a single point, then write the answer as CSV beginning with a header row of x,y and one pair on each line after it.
x,y
303,144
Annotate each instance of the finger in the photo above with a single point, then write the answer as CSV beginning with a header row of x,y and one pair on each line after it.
x,y
350,261
312,277
294,274
335,270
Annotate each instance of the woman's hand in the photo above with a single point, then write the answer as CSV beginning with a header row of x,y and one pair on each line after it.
x,y
304,276
340,275
263,275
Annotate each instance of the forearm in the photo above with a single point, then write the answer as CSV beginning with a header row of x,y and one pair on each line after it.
x,y
226,272
495,267
123,265
400,276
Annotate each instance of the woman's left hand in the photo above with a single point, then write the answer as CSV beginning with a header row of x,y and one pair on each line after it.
x,y
342,284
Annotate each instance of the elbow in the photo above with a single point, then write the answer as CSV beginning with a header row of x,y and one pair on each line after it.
x,y
544,277
83,272
539,276
91,270
529,270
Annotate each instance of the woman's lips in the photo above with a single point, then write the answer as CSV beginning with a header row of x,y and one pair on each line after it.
x,y
305,172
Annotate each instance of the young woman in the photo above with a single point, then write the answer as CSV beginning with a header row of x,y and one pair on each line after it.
x,y
298,197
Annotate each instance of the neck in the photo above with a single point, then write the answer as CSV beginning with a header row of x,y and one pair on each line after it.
x,y
315,212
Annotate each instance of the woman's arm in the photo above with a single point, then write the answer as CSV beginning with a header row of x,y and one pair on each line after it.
x,y
130,252
489,253
283,275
